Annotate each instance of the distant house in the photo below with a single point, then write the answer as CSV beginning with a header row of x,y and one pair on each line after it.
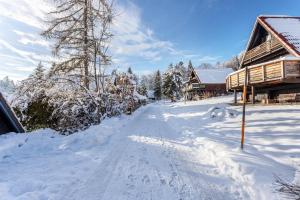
x,y
8,120
272,61
206,82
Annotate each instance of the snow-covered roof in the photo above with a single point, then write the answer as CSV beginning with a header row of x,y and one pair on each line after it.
x,y
212,75
286,28
138,96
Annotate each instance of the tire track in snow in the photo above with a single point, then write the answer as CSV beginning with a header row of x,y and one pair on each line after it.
x,y
94,187
243,185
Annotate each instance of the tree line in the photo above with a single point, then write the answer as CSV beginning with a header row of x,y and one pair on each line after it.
x,y
81,88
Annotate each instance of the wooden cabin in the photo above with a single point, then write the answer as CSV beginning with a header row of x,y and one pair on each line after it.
x,y
206,82
272,61
8,120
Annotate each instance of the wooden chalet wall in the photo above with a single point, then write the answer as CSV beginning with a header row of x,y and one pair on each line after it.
x,y
264,47
272,62
195,89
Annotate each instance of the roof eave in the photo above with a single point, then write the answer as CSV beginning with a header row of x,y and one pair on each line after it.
x,y
290,48
260,20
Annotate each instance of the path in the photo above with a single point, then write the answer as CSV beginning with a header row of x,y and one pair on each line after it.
x,y
148,159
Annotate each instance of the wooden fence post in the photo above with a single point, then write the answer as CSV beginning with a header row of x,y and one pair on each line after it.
x,y
253,94
235,96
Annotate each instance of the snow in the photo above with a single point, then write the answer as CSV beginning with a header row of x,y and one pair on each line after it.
x,y
150,94
162,151
138,96
7,88
288,27
213,75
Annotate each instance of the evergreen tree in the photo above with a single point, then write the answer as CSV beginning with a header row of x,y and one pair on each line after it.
x,y
177,76
142,89
168,85
190,65
172,83
129,71
39,72
189,69
157,86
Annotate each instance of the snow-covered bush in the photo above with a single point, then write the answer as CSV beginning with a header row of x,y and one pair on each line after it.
x,y
59,103
53,105
63,104
7,86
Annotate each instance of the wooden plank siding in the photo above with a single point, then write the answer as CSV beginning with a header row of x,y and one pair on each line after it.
x,y
277,71
262,50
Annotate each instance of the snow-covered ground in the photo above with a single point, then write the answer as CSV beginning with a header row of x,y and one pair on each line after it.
x,y
163,151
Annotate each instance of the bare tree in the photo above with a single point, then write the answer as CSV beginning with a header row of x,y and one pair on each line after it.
x,y
234,62
79,27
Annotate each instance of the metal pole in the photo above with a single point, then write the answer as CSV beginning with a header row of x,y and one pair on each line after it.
x,y
244,108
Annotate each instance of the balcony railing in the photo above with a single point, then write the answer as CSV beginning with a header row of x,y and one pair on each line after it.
x,y
282,70
262,50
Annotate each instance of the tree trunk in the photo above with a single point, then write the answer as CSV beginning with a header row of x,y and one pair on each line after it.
x,y
86,54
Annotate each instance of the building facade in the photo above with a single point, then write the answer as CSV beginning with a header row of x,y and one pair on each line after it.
x,y
205,82
8,120
271,63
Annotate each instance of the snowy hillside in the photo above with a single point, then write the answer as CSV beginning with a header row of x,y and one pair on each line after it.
x,y
163,151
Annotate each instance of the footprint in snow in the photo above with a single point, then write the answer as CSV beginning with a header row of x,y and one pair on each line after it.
x,y
163,182
146,179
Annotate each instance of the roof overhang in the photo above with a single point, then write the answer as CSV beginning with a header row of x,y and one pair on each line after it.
x,y
261,21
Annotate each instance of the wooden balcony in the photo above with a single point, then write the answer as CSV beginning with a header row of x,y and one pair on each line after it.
x,y
262,50
277,71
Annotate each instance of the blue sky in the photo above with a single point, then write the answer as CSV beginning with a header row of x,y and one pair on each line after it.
x,y
149,34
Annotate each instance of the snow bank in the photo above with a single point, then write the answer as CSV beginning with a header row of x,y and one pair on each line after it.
x,y
212,130
37,165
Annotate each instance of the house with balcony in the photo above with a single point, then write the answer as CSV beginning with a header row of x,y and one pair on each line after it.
x,y
271,61
206,82
8,120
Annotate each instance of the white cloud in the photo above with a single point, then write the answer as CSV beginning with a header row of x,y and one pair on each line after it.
x,y
31,39
133,42
29,56
132,38
29,12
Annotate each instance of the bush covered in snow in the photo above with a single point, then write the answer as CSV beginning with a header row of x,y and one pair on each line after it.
x,y
63,104
7,86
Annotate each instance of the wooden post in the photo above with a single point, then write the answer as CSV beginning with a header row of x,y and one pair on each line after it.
x,y
235,96
263,73
282,70
244,108
253,94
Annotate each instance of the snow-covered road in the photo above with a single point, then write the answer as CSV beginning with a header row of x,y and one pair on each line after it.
x,y
149,160
163,151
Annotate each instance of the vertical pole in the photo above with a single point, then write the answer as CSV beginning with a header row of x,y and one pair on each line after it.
x,y
244,108
235,96
253,94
